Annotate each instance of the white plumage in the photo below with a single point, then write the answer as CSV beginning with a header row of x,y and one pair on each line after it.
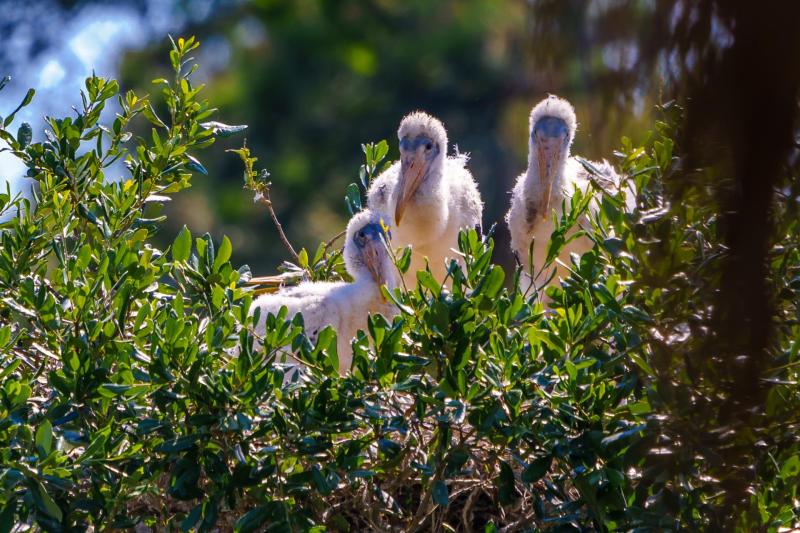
x,y
343,306
552,176
432,196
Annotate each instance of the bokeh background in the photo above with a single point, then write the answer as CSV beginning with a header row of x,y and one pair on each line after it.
x,y
314,79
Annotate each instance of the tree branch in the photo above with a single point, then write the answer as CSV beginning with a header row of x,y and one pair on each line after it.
x,y
265,199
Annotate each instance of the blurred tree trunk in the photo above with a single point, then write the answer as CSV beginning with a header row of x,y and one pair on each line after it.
x,y
741,99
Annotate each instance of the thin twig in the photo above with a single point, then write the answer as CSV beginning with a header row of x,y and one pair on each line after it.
x,y
334,239
527,520
264,199
466,512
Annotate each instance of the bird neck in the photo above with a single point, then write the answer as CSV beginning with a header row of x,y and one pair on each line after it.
x,y
427,201
368,293
433,183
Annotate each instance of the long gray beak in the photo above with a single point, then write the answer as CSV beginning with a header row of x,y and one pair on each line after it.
x,y
548,154
373,252
413,169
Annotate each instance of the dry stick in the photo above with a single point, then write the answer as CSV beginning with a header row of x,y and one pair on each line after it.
x,y
334,239
264,199
466,512
526,520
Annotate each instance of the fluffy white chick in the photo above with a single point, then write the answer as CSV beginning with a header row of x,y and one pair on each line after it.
x,y
552,176
430,195
343,306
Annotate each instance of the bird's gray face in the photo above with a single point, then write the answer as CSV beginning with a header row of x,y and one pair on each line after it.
x,y
371,243
417,155
550,137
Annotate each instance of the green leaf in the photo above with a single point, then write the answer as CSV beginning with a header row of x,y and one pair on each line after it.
x,y
257,517
25,101
614,246
405,260
302,258
361,474
44,502
223,130
320,481
636,314
44,438
390,295
150,114
536,469
641,363
223,254
507,491
440,493
178,444
9,509
353,199
491,284
791,468
182,245
381,149
98,443
24,135
425,279
623,435
196,166
639,408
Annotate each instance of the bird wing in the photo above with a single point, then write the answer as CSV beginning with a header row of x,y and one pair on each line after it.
x,y
464,192
318,289
601,173
605,176
520,220
308,299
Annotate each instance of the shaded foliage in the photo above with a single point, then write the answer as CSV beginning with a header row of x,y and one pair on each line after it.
x,y
131,372
736,66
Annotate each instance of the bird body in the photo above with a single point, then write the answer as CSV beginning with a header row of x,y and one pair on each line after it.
x,y
341,305
432,196
552,177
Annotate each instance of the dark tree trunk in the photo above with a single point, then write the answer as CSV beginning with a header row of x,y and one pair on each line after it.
x,y
741,113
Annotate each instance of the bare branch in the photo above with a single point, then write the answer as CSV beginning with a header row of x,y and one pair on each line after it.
x,y
265,199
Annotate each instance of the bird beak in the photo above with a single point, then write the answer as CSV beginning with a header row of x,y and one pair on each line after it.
x,y
412,171
372,251
548,154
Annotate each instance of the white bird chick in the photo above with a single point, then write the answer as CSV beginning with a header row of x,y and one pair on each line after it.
x,y
552,176
431,195
343,306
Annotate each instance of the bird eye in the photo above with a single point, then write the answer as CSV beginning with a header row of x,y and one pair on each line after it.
x,y
428,146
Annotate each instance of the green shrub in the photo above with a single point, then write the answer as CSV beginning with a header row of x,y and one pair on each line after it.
x,y
122,401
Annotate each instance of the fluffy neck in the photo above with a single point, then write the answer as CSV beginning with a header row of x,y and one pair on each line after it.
x,y
434,181
427,209
427,214
367,294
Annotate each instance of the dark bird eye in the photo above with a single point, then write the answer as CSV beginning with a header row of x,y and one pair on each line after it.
x,y
428,146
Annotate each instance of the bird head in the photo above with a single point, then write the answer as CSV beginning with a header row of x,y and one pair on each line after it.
x,y
366,250
423,147
552,129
